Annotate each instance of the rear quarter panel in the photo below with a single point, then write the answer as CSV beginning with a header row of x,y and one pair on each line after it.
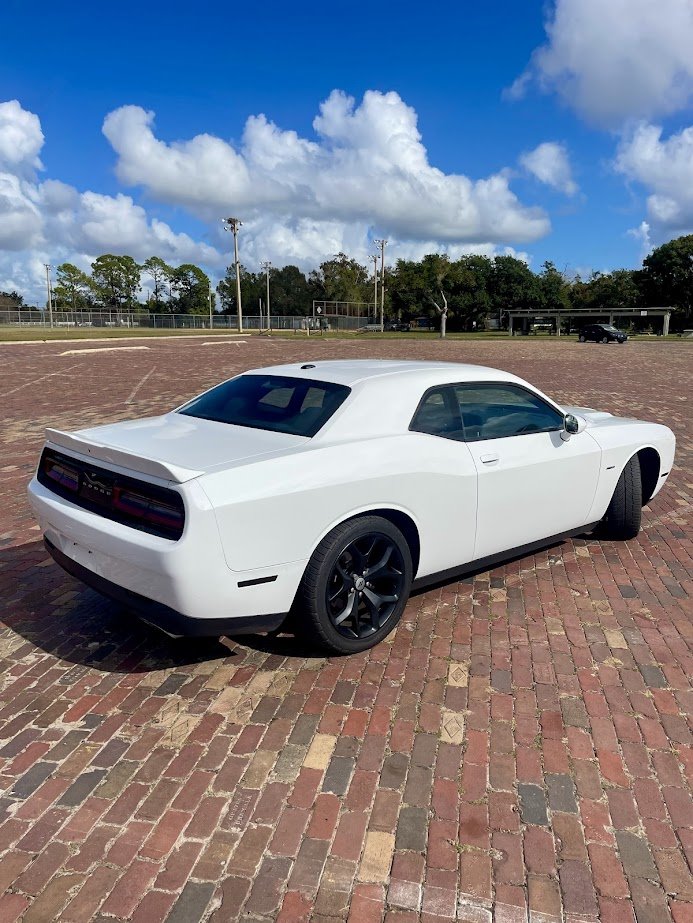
x,y
277,511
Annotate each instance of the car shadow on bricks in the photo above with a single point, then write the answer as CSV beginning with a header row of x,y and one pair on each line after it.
x,y
286,642
467,576
58,614
51,611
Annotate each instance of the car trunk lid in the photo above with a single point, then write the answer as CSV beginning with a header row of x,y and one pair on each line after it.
x,y
173,447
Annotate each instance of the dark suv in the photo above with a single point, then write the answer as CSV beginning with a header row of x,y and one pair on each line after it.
x,y
602,333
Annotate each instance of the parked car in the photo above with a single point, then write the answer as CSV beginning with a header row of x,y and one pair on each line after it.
x,y
329,489
398,326
602,333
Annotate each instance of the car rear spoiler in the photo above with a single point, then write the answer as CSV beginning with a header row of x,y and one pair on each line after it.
x,y
136,463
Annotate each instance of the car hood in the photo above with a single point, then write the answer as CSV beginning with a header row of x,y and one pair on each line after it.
x,y
600,417
174,446
588,413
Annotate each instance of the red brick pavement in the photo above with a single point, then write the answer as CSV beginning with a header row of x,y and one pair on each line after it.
x,y
519,750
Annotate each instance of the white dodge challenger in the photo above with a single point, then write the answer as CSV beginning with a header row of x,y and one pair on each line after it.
x,y
327,490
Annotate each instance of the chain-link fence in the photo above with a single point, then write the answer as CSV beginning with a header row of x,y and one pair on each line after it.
x,y
124,319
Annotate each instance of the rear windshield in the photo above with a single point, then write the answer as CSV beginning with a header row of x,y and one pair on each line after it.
x,y
298,406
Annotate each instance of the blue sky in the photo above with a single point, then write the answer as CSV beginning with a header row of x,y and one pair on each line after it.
x,y
557,132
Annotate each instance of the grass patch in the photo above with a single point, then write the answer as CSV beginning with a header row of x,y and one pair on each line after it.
x,y
10,334
46,334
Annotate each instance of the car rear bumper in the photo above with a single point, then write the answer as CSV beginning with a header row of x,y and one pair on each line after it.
x,y
161,616
184,586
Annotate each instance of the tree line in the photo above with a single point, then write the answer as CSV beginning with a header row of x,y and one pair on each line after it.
x,y
472,289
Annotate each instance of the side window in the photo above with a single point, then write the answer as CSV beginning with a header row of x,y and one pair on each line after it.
x,y
496,410
437,415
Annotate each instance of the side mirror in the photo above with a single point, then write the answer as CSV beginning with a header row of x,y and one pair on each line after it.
x,y
572,425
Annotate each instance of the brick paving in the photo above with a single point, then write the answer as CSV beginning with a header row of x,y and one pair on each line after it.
x,y
519,750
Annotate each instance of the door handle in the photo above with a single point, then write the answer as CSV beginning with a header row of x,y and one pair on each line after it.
x,y
489,459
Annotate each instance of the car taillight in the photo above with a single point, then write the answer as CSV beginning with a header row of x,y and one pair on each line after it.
x,y
64,475
147,509
119,497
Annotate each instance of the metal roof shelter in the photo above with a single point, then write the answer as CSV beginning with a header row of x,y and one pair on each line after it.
x,y
590,314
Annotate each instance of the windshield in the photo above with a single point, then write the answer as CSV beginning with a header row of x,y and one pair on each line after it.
x,y
610,328
297,406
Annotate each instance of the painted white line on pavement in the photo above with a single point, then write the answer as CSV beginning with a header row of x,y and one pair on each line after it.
x,y
137,388
35,381
99,349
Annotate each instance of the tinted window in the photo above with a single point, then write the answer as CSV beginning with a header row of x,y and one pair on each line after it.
x,y
496,410
298,406
438,415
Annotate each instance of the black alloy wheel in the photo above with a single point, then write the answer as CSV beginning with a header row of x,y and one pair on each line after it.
x,y
357,584
365,585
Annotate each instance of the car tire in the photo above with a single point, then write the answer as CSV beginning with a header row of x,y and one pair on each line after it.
x,y
605,339
581,338
337,605
624,513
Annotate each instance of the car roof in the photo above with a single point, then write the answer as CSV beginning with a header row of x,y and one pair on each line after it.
x,y
352,372
384,393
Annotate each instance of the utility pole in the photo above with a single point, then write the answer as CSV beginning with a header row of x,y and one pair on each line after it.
x,y
209,293
375,258
233,224
382,243
267,266
50,294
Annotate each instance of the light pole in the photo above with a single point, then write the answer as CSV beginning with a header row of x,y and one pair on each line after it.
x,y
209,294
374,257
267,266
50,296
233,224
382,243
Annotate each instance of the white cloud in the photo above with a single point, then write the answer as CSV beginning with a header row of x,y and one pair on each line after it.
x,y
20,219
616,60
306,242
52,222
369,167
642,234
301,200
21,137
96,223
550,164
665,168
21,140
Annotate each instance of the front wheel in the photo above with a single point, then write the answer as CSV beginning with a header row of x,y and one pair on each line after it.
x,y
356,585
624,514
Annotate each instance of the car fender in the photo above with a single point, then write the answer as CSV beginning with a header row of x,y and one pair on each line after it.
x,y
373,509
620,441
